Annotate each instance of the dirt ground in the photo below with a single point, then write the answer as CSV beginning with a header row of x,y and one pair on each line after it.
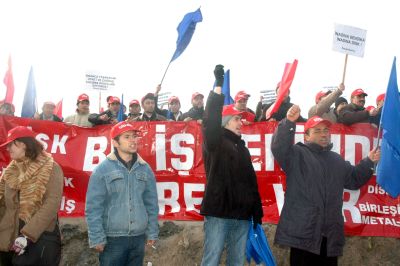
x,y
181,243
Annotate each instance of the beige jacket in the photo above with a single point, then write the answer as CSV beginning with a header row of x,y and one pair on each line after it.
x,y
43,220
323,108
78,120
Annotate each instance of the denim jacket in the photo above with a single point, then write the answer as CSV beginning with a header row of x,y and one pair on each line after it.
x,y
121,202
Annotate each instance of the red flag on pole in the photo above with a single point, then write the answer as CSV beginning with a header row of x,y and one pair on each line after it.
x,y
286,82
58,109
9,82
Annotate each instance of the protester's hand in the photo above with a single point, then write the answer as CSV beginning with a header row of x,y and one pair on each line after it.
x,y
20,244
246,123
257,220
152,244
99,248
219,75
293,113
373,112
341,87
187,119
375,155
114,121
200,121
104,117
158,88
261,98
36,116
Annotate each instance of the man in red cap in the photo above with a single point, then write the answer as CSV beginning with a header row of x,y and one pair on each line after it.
x,y
241,98
173,112
197,110
231,195
375,120
311,221
109,116
323,102
81,116
134,110
355,111
121,202
149,109
48,113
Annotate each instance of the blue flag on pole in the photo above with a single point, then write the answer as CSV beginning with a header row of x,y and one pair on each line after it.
x,y
185,31
388,170
29,105
226,88
121,110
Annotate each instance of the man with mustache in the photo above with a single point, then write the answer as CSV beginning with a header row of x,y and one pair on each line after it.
x,y
355,111
311,221
80,118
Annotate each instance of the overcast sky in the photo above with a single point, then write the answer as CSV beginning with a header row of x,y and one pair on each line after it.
x,y
134,41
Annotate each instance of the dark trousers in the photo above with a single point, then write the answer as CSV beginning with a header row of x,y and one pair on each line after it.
x,y
123,251
299,257
6,258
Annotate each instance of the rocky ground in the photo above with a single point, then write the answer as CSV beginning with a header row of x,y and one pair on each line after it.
x,y
181,244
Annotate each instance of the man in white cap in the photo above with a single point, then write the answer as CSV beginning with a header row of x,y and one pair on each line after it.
x,y
121,202
231,196
48,113
311,221
80,118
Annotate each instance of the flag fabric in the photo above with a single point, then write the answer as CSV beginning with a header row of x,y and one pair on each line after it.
x,y
120,116
388,170
226,88
58,109
185,31
29,105
286,82
9,82
257,247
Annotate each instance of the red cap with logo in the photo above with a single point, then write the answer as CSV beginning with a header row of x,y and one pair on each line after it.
x,y
230,110
49,103
113,99
122,127
358,92
241,95
320,94
314,121
83,97
173,99
18,132
380,97
134,102
194,95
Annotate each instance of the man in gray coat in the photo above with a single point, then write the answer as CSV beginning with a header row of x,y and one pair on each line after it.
x,y
311,222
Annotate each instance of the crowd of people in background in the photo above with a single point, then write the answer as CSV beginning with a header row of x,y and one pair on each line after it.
x,y
329,104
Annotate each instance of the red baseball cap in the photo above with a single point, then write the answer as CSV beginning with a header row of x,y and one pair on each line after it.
x,y
120,128
83,97
358,92
49,103
321,94
315,120
18,132
173,99
134,102
230,110
113,99
241,95
369,108
194,95
380,97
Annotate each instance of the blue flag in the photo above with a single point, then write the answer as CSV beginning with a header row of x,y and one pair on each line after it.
x,y
257,247
226,88
29,106
121,110
388,170
185,31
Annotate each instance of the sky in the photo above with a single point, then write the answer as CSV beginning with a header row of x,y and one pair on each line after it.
x,y
134,41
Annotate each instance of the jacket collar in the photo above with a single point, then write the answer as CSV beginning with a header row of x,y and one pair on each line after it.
x,y
317,148
113,157
232,136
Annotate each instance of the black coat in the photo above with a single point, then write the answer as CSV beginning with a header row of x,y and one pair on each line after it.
x,y
95,118
231,191
315,179
194,113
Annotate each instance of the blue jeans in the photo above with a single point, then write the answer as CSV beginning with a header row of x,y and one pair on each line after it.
x,y
123,250
218,232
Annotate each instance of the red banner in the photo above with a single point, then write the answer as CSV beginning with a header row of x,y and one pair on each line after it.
x,y
173,149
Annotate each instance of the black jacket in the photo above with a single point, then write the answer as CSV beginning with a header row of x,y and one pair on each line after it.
x,y
231,191
351,114
194,113
95,118
315,179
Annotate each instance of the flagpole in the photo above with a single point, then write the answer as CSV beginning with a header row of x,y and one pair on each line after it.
x,y
344,69
165,73
99,101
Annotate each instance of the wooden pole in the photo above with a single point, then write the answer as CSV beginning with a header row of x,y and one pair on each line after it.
x,y
344,69
99,101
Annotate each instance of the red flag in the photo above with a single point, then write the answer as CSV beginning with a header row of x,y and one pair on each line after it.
x,y
9,82
286,82
58,109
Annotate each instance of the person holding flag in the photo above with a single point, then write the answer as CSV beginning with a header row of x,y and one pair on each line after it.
x,y
311,221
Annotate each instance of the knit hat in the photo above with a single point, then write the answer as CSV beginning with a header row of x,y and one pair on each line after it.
x,y
339,101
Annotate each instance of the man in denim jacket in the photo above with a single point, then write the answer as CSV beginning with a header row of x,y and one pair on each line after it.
x,y
121,202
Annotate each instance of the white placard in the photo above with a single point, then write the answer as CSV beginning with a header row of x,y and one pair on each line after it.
x,y
163,98
96,81
268,96
349,40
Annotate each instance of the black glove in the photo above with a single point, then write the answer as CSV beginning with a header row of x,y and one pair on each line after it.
x,y
257,220
219,75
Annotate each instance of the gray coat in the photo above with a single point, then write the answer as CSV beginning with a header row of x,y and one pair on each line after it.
x,y
315,179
